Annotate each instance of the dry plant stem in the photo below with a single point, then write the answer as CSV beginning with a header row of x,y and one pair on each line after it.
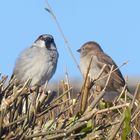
x,y
113,108
136,112
7,102
2,81
41,100
63,94
93,136
65,97
47,110
136,126
59,115
1,121
112,71
135,116
50,107
64,102
64,134
49,99
50,10
137,131
68,83
124,88
85,89
9,136
100,73
134,132
84,98
48,137
88,115
135,95
88,69
116,129
34,122
72,136
97,77
16,121
37,115
97,99
47,133
76,127
52,104
9,86
68,87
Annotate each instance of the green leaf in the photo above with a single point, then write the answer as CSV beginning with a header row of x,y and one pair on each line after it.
x,y
127,125
102,105
88,127
74,119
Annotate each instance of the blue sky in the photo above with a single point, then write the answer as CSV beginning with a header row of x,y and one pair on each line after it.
x,y
115,25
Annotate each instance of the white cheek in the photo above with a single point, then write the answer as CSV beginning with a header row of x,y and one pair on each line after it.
x,y
40,44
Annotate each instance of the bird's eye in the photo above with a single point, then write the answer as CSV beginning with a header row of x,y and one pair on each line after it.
x,y
48,42
41,37
83,48
48,39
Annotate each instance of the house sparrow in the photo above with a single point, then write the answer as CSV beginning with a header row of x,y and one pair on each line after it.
x,y
116,82
38,62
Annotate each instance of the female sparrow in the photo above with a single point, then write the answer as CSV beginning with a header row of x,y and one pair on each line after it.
x,y
94,50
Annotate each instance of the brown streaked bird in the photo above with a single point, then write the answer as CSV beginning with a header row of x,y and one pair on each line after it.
x,y
116,82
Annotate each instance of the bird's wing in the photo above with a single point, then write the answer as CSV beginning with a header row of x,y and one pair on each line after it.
x,y
116,75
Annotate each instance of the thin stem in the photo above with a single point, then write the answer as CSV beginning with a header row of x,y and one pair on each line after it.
x,y
50,10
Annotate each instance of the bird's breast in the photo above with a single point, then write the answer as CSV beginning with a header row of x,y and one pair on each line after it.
x,y
84,64
37,64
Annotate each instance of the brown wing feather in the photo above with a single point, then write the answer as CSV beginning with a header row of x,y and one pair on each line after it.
x,y
105,59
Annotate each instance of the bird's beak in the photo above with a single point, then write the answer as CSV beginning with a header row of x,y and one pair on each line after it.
x,y
79,50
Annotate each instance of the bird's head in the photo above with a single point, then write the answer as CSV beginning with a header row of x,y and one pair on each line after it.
x,y
89,47
45,41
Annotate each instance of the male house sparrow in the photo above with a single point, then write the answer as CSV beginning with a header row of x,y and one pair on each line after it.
x,y
116,82
38,62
